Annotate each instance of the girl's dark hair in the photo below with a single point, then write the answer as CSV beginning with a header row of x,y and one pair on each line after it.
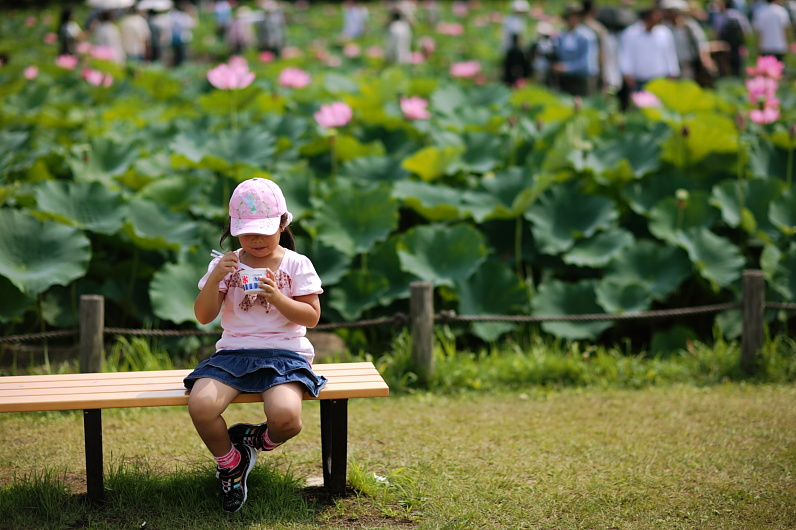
x,y
285,238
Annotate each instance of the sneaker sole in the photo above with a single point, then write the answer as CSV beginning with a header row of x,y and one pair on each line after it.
x,y
252,461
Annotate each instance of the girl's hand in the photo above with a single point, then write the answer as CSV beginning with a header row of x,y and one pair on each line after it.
x,y
227,264
270,288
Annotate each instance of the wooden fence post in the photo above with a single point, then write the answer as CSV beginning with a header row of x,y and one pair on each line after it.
x,y
421,319
754,293
92,331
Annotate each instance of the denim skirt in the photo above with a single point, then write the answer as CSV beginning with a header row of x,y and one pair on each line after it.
x,y
257,370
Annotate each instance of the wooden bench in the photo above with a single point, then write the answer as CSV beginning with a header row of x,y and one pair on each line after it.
x,y
96,391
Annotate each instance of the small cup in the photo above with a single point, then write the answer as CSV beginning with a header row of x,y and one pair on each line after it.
x,y
248,278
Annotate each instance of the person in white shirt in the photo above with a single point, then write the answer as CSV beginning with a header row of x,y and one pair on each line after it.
x,y
647,51
514,24
135,35
772,24
399,40
691,43
107,35
355,19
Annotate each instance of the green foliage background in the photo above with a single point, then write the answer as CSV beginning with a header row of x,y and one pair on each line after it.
x,y
508,201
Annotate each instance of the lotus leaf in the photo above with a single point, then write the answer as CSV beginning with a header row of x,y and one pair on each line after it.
x,y
782,212
86,205
348,148
223,150
430,163
435,202
103,159
297,189
563,214
153,227
174,288
672,340
623,296
358,292
368,169
780,271
11,143
158,84
661,268
757,195
340,84
330,264
599,249
483,152
353,220
442,255
557,298
715,257
670,217
640,147
505,195
15,302
493,289
30,98
697,137
644,194
384,258
36,255
176,193
447,98
766,160
683,97
226,101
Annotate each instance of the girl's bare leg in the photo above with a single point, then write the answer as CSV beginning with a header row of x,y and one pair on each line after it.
x,y
282,406
208,400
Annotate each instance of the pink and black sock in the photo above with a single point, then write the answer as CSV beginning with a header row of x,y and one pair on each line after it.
x,y
229,460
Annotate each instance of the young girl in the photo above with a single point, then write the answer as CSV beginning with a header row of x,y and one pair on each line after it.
x,y
262,348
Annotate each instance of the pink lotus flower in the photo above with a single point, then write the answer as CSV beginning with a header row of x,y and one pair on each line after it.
x,y
761,89
31,72
50,38
30,21
465,69
414,108
450,28
352,50
97,78
335,114
764,115
426,45
103,53
375,52
67,62
333,61
416,58
291,52
767,66
644,99
460,9
83,47
232,76
292,77
267,57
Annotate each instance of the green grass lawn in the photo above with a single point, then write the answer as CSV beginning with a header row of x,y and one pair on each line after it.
x,y
676,456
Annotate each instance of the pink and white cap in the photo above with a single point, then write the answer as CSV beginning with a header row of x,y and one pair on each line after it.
x,y
256,207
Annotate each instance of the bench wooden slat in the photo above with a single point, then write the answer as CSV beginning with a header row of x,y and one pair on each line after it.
x,y
320,369
168,397
158,388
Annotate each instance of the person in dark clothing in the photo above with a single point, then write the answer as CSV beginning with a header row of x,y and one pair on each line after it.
x,y
515,63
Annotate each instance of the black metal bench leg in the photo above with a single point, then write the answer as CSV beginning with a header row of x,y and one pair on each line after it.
x,y
334,444
92,431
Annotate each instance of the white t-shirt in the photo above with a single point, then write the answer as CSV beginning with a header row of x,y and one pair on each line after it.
x,y
646,55
770,22
135,35
250,322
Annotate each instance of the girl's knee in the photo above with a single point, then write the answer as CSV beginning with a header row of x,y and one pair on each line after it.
x,y
285,421
202,409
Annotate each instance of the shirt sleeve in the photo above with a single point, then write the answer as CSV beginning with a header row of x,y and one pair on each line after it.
x,y
305,279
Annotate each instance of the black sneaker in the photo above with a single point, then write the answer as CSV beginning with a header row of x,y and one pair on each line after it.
x,y
233,481
247,434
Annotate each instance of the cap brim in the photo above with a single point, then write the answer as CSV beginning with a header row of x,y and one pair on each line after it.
x,y
267,226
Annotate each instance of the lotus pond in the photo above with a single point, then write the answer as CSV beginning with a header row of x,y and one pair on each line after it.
x,y
509,201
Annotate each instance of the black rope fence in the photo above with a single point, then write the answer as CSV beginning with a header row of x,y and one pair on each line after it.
x,y
401,319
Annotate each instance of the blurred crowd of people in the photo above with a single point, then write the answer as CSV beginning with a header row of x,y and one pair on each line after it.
x,y
618,50
582,50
